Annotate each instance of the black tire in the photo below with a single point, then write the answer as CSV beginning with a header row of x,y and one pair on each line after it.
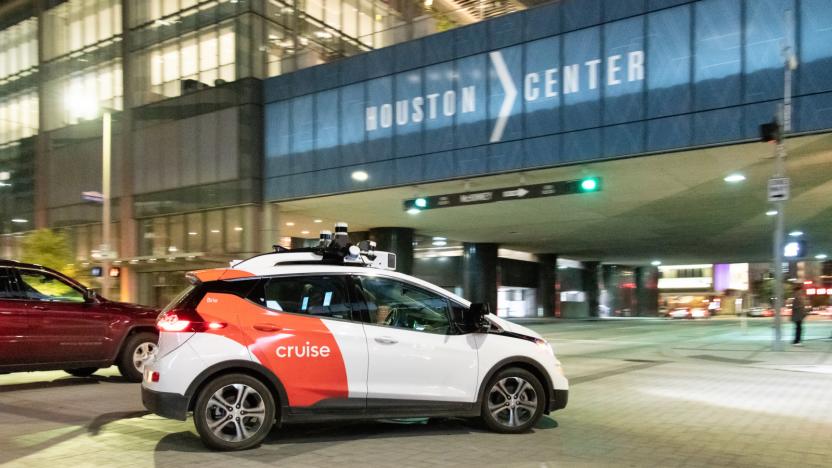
x,y
132,371
82,371
508,406
254,424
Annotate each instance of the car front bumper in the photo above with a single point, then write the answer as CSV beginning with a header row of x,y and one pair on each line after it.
x,y
168,405
558,399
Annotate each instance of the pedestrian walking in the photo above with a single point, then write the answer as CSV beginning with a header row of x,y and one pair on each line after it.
x,y
798,314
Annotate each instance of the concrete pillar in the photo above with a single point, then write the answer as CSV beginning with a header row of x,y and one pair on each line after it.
x,y
547,287
479,273
592,287
647,291
397,240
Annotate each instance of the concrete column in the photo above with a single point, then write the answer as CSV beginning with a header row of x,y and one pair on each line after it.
x,y
647,291
397,240
479,273
128,231
592,287
547,287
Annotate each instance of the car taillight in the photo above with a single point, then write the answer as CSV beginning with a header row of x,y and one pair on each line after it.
x,y
185,320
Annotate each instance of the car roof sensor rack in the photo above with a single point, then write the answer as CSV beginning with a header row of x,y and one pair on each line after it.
x,y
336,248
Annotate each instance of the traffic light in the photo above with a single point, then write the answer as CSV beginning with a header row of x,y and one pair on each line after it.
x,y
589,184
420,203
770,132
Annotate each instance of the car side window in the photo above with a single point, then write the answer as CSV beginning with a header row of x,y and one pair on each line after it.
x,y
42,286
398,304
322,296
7,284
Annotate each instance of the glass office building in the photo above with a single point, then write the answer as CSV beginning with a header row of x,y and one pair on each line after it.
x,y
226,112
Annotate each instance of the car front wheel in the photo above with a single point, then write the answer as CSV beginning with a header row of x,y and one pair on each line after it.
x,y
513,401
234,412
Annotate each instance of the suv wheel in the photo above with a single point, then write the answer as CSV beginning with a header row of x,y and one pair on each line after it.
x,y
234,412
513,401
134,353
81,372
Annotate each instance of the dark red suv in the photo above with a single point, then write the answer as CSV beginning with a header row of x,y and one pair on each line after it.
x,y
49,321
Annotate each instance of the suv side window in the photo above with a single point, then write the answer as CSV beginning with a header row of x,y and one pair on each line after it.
x,y
42,286
397,304
322,296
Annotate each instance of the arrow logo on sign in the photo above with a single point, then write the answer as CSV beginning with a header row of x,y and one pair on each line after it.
x,y
518,193
508,100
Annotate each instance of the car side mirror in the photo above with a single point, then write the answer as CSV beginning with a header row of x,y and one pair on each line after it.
x,y
475,317
89,296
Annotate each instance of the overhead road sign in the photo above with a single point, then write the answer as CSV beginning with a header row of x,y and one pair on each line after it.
x,y
548,189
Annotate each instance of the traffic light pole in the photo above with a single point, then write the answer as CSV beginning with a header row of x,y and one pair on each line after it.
x,y
785,118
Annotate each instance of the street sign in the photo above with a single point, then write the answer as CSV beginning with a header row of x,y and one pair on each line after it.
x,y
103,252
778,189
91,196
548,189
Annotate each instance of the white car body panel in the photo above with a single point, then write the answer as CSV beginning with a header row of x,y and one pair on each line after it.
x,y
412,365
352,342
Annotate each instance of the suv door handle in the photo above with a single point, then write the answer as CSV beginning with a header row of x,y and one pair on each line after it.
x,y
386,340
266,327
39,307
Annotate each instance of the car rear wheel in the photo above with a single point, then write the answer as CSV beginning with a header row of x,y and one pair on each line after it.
x,y
234,412
513,401
136,350
81,372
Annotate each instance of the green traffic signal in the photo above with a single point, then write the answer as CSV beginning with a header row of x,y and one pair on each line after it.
x,y
420,203
590,184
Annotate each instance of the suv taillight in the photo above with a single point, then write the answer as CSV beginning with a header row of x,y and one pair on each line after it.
x,y
185,320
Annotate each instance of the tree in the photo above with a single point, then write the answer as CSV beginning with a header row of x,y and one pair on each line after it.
x,y
50,248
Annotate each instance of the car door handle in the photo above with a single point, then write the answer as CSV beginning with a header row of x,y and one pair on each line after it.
x,y
386,340
39,307
266,327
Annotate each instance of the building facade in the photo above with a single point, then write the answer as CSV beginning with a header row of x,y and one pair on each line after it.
x,y
228,112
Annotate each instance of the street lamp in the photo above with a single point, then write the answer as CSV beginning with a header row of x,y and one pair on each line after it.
x,y
84,105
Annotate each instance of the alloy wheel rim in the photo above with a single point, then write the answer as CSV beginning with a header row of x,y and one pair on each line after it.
x,y
512,401
142,352
235,412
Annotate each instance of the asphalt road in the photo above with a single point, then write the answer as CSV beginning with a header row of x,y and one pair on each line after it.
x,y
644,393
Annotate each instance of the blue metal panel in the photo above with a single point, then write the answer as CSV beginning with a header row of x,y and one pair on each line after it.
x,y
624,83
718,62
618,9
542,151
440,104
580,14
471,39
303,133
439,165
581,146
380,62
669,133
408,170
543,21
815,51
813,112
505,156
669,57
659,4
276,127
472,124
326,129
505,31
471,161
352,123
408,130
541,90
408,55
715,126
621,140
499,98
380,139
581,79
764,35
438,47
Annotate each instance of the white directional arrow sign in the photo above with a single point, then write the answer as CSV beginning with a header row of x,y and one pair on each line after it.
x,y
508,100
517,193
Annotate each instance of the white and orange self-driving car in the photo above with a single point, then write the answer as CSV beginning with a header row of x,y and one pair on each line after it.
x,y
333,332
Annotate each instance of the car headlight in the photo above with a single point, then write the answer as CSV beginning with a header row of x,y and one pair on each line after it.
x,y
543,344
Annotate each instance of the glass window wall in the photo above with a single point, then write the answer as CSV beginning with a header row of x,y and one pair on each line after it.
x,y
18,116
77,24
19,51
225,231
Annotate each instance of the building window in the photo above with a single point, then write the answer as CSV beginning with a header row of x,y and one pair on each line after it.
x,y
78,24
19,52
83,94
18,116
